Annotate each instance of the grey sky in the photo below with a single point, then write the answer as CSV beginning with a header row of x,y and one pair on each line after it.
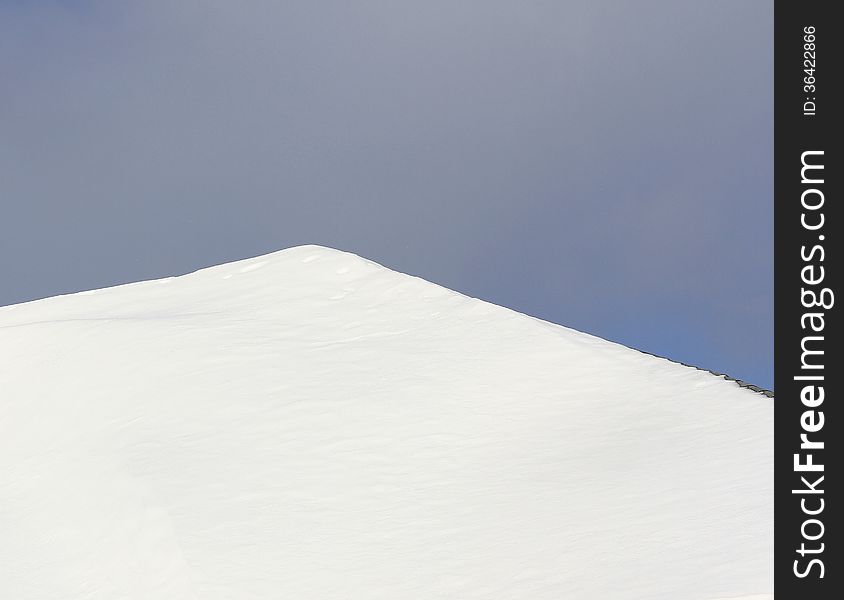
x,y
603,165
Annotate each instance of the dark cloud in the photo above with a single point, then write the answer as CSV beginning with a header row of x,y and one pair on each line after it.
x,y
604,165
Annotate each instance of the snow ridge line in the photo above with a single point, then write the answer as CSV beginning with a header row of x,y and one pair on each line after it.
x,y
739,382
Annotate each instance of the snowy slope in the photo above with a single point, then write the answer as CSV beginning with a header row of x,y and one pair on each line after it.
x,y
311,425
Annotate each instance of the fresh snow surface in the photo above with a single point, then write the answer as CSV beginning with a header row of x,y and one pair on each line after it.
x,y
311,425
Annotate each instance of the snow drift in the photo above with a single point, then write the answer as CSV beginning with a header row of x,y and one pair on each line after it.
x,y
311,425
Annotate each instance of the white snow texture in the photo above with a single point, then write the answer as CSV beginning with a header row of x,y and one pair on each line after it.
x,y
311,425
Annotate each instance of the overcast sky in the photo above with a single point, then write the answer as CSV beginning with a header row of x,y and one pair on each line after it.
x,y
605,165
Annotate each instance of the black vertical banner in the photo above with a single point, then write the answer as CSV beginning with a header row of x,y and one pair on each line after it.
x,y
809,485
